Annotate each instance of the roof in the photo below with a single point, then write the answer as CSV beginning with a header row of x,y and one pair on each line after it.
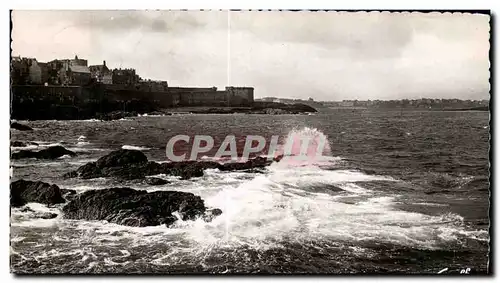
x,y
100,68
80,69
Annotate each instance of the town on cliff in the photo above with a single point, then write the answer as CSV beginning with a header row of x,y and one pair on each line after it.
x,y
72,89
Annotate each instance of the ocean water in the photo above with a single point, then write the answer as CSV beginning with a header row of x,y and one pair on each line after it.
x,y
396,192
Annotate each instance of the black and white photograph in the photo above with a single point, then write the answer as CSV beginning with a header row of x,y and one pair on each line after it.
x,y
242,142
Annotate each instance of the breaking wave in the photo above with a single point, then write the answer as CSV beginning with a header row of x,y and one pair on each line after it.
x,y
133,147
287,204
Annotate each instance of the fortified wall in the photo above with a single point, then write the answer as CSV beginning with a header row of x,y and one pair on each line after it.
x,y
40,102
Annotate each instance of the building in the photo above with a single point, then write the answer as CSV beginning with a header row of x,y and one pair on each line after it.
x,y
44,69
77,75
19,71
346,103
124,77
152,86
101,73
35,72
78,62
53,71
68,72
241,96
119,84
25,71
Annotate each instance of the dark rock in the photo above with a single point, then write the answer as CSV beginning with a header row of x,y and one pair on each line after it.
x,y
22,192
71,174
281,108
122,157
20,127
17,144
117,115
186,170
210,214
272,111
88,171
22,144
27,209
131,207
68,194
157,113
133,164
46,215
37,214
52,152
134,171
258,162
156,181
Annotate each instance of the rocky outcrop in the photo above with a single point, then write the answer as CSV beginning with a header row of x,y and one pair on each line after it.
x,y
133,164
20,127
52,152
22,144
152,181
22,192
68,194
270,108
281,108
122,157
116,115
126,206
39,214
272,111
159,113
210,214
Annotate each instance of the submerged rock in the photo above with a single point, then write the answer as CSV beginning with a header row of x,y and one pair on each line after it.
x,y
126,206
157,113
17,144
46,215
117,115
52,152
22,192
210,214
156,181
133,164
68,194
20,127
22,144
39,214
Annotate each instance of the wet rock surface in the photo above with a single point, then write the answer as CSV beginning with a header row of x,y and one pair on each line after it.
x,y
39,214
22,192
22,143
133,164
126,206
52,152
20,127
156,181
116,115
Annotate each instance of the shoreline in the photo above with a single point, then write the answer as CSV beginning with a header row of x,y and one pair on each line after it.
x,y
256,108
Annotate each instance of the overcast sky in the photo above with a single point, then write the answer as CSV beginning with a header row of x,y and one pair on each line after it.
x,y
323,55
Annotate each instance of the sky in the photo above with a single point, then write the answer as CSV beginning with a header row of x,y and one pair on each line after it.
x,y
327,56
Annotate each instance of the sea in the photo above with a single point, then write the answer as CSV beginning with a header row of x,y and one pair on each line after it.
x,y
396,192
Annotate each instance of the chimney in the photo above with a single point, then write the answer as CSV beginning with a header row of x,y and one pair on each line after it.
x,y
104,63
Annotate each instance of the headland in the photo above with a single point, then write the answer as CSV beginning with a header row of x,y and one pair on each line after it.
x,y
69,89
